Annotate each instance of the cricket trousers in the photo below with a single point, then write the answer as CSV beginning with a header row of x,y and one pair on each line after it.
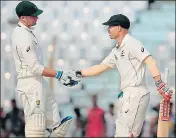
x,y
39,105
131,111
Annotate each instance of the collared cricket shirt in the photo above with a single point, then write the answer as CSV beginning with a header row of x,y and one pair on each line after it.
x,y
26,52
128,58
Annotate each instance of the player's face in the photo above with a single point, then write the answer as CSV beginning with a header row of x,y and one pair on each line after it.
x,y
30,20
113,32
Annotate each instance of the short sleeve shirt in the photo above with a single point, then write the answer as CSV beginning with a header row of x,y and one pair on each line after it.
x,y
128,59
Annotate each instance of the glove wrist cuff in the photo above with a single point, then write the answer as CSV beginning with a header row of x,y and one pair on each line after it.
x,y
158,83
78,73
59,74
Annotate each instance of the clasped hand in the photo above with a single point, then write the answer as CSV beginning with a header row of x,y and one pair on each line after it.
x,y
69,77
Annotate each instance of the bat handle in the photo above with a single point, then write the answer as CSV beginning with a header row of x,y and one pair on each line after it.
x,y
166,75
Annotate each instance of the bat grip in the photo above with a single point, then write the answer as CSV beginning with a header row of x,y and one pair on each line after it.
x,y
166,75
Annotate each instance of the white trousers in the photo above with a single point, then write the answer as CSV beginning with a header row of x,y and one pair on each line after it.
x,y
40,107
131,111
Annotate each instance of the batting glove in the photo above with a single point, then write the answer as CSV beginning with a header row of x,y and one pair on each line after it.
x,y
75,75
78,75
67,78
164,90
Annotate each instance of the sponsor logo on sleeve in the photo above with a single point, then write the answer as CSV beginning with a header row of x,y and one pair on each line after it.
x,y
142,49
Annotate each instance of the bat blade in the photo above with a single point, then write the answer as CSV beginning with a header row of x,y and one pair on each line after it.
x,y
164,118
163,121
165,107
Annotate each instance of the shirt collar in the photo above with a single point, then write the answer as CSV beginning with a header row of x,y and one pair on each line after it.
x,y
28,29
125,39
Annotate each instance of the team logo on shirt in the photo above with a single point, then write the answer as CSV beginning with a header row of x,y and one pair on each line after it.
x,y
28,48
142,49
38,102
122,53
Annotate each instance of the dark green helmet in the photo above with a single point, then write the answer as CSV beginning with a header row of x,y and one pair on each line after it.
x,y
27,8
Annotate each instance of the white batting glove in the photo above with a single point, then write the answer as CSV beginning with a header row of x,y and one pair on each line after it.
x,y
68,78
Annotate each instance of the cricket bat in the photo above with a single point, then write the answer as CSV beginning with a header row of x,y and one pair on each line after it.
x,y
164,118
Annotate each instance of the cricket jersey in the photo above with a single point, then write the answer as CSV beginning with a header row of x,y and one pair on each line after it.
x,y
26,52
128,59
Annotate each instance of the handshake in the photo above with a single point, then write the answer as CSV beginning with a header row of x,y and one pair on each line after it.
x,y
69,78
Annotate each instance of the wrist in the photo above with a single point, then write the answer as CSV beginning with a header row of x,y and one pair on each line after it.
x,y
158,83
157,78
59,74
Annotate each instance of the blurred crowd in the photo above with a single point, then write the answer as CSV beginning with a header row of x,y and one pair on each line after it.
x,y
12,123
97,123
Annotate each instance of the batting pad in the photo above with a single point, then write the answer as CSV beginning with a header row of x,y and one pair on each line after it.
x,y
35,126
60,130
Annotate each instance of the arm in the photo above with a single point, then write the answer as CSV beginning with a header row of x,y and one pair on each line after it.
x,y
49,72
31,60
94,70
36,68
150,62
29,56
107,63
161,86
144,56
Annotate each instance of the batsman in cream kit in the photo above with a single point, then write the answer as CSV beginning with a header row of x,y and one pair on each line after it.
x,y
129,56
40,108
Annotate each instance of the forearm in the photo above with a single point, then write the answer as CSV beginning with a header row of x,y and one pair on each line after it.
x,y
94,70
91,71
49,72
161,86
152,66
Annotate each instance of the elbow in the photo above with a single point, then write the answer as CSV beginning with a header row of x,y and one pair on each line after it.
x,y
37,69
